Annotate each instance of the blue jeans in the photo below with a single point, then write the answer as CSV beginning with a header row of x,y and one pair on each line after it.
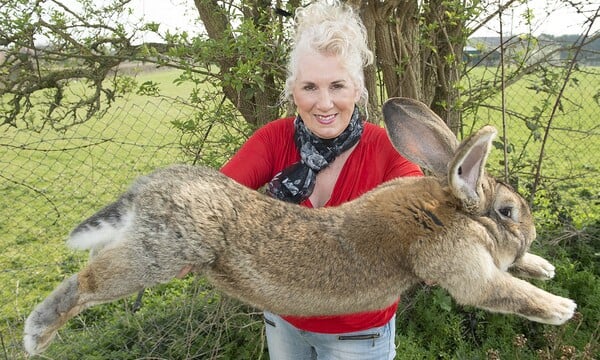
x,y
286,342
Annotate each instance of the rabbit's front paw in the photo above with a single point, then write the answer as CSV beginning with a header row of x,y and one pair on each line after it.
x,y
534,266
558,310
546,269
551,309
564,309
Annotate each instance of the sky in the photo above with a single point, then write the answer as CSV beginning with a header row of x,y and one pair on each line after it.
x,y
178,14
550,17
171,14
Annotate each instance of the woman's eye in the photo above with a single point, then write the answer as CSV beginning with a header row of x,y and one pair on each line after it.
x,y
308,88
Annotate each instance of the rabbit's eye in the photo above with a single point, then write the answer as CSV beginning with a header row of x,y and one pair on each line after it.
x,y
505,211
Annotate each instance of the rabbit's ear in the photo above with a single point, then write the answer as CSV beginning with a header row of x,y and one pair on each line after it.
x,y
419,134
466,170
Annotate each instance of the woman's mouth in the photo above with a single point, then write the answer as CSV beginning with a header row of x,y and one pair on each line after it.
x,y
325,119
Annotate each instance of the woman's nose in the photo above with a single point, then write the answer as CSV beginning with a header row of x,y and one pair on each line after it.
x,y
325,100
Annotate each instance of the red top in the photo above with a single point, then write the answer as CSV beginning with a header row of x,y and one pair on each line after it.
x,y
374,161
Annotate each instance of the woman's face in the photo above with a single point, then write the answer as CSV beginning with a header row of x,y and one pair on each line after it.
x,y
324,94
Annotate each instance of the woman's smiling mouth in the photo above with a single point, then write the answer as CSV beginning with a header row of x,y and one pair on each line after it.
x,y
325,119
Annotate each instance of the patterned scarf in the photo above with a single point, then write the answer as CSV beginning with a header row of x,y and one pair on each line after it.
x,y
296,182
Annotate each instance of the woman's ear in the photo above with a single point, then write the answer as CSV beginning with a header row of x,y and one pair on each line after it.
x,y
357,94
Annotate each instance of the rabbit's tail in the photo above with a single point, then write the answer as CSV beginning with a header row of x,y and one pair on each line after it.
x,y
40,327
105,226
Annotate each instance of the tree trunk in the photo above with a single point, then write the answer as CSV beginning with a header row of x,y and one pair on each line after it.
x,y
257,105
449,41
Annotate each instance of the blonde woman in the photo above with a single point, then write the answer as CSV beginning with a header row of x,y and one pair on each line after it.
x,y
325,156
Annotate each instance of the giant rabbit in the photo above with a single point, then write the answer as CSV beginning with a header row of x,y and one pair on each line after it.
x,y
459,228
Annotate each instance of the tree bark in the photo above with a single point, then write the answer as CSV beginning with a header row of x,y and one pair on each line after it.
x,y
257,106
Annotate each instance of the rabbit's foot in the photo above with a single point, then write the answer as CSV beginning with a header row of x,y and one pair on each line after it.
x,y
43,322
37,340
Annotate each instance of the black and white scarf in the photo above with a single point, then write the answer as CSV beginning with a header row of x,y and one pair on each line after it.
x,y
296,182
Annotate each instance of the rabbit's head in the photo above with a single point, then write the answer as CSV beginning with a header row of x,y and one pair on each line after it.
x,y
422,137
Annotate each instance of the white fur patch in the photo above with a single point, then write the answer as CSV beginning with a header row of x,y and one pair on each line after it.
x,y
29,343
95,238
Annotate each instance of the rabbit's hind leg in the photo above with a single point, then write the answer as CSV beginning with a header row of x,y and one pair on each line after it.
x,y
113,274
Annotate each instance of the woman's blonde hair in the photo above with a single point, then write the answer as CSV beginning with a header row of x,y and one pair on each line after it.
x,y
332,28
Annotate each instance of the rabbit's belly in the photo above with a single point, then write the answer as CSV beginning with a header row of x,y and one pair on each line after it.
x,y
329,296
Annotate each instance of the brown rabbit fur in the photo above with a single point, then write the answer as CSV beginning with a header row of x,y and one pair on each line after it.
x,y
460,229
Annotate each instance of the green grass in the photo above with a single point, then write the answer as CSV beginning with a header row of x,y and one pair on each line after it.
x,y
50,181
569,166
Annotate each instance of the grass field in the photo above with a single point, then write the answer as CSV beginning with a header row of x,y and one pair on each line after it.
x,y
50,180
568,163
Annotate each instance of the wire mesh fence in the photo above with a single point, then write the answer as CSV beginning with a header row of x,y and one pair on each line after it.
x,y
51,179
